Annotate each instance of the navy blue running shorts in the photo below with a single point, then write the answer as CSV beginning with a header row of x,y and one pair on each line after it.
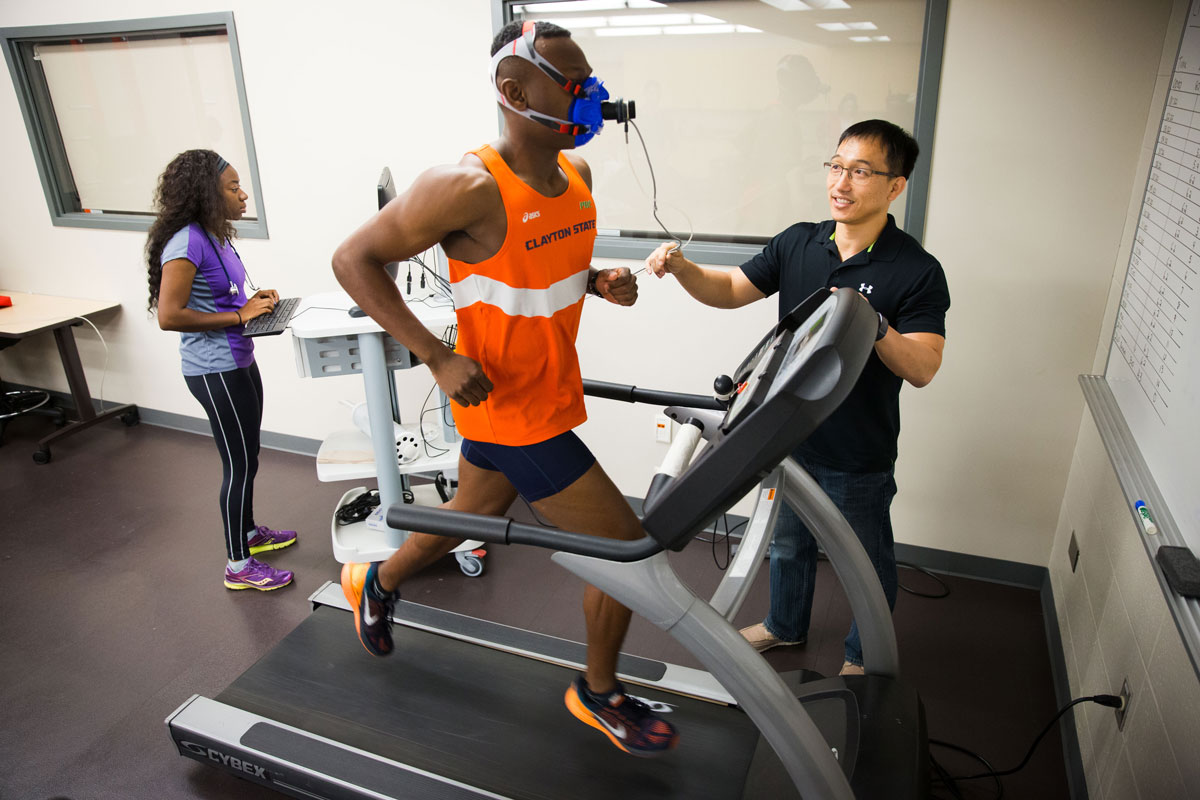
x,y
536,470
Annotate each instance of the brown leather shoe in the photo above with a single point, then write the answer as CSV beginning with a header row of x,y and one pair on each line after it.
x,y
762,639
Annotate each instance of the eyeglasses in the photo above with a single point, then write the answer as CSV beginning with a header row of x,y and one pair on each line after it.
x,y
857,175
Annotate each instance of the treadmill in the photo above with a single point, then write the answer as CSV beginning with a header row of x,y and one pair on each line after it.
x,y
465,708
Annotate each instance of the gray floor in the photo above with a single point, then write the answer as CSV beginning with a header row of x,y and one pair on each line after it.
x,y
114,613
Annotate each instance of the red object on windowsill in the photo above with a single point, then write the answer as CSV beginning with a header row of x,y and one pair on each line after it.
x,y
5,301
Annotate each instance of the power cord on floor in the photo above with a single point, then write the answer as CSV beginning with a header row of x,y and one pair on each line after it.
x,y
945,587
950,781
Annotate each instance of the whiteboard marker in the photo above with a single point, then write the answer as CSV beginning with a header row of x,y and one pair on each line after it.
x,y
1144,514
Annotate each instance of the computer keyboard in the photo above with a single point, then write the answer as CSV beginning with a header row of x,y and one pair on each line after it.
x,y
274,323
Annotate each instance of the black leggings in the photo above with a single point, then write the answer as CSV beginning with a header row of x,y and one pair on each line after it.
x,y
233,402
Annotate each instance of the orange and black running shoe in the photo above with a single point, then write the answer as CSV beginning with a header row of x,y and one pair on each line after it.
x,y
372,608
626,721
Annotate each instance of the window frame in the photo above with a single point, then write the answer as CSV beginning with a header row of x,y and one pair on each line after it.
x,y
709,248
33,96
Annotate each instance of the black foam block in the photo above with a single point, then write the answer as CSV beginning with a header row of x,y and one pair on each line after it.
x,y
1181,569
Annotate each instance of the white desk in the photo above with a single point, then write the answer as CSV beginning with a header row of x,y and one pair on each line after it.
x,y
328,343
31,314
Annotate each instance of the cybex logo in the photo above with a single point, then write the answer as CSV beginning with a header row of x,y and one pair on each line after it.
x,y
528,215
232,762
864,288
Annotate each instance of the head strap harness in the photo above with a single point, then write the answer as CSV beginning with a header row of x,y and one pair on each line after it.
x,y
586,115
522,47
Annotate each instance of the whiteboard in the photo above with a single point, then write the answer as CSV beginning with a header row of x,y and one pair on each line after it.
x,y
126,107
1154,361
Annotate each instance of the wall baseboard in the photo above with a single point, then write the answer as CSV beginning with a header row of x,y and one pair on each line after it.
x,y
1073,760
288,443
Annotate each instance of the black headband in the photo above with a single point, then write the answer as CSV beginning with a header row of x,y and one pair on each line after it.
x,y
221,165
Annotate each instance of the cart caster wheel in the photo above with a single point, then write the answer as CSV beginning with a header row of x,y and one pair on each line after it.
x,y
471,566
41,457
408,497
131,418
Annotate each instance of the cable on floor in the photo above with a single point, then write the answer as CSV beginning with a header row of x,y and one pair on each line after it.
x,y
945,587
1109,700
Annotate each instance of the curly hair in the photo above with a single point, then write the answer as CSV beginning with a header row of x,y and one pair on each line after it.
x,y
189,190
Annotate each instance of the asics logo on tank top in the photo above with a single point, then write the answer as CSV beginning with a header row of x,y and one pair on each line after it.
x,y
528,215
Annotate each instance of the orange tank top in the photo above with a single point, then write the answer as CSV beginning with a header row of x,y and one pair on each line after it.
x,y
518,311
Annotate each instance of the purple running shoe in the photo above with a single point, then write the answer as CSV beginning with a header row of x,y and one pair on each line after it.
x,y
265,539
257,575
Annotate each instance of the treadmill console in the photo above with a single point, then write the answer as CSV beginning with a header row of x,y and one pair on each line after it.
x,y
788,384
776,358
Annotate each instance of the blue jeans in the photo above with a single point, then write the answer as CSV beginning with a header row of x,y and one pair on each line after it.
x,y
864,498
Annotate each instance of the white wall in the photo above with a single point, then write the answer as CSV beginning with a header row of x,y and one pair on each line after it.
x,y
332,100
1113,620
1028,90
1040,121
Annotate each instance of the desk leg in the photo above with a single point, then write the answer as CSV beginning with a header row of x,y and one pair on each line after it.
x,y
383,435
77,380
69,353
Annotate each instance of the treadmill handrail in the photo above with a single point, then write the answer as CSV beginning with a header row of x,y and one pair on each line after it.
x,y
502,530
628,393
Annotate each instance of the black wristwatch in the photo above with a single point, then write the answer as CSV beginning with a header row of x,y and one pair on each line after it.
x,y
883,327
591,283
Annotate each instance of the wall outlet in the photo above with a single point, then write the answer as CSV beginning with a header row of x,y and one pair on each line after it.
x,y
1073,551
1124,709
663,428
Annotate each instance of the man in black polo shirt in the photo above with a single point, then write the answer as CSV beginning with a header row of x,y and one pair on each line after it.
x,y
853,453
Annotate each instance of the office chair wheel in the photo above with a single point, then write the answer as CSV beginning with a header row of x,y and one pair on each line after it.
x,y
131,418
41,457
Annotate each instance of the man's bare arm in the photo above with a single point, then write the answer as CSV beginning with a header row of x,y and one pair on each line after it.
x,y
719,288
915,357
441,201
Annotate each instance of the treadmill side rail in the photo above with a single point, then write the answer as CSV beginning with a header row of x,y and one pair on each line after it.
x,y
651,588
735,583
270,753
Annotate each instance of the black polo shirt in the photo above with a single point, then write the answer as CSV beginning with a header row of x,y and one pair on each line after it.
x,y
901,281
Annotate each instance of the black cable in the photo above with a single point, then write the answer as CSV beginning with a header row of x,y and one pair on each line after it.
x,y
421,424
950,780
441,302
714,541
1112,701
359,508
923,571
944,777
728,547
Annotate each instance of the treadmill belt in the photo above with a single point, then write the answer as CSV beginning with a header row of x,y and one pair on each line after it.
x,y
483,717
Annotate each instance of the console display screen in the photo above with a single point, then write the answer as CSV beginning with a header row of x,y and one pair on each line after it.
x,y
804,341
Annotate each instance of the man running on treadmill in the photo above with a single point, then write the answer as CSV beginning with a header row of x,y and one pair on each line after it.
x,y
517,222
